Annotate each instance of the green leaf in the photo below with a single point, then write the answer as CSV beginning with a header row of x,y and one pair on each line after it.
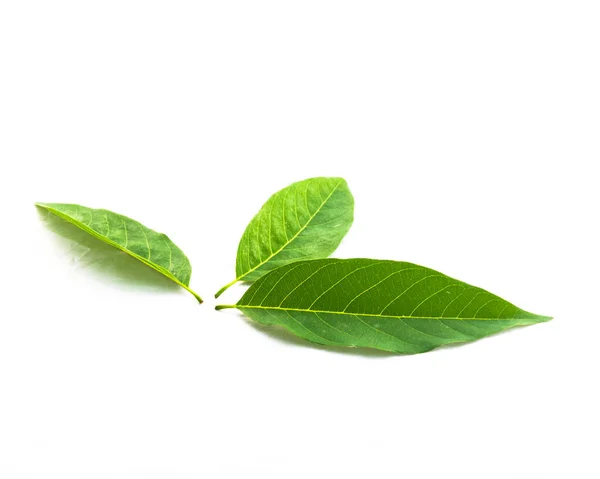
x,y
306,220
151,248
388,305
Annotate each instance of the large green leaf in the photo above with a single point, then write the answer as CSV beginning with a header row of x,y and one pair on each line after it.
x,y
151,248
388,305
306,220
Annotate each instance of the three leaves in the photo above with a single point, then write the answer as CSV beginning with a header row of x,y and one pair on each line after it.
x,y
388,305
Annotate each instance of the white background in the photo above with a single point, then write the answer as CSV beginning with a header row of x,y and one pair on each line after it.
x,y
468,133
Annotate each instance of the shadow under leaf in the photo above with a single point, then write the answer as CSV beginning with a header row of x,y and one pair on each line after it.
x,y
281,334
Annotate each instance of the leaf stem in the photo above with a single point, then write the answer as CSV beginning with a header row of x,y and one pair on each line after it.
x,y
222,290
196,295
225,306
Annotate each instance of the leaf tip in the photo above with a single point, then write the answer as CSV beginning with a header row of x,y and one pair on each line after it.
x,y
539,318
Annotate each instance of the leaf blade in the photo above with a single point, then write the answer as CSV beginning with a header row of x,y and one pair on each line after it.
x,y
306,220
394,306
153,249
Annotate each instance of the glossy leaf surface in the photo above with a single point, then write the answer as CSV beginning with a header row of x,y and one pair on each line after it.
x,y
154,249
388,305
306,220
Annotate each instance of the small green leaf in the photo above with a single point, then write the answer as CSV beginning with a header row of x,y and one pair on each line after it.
x,y
151,248
306,220
389,305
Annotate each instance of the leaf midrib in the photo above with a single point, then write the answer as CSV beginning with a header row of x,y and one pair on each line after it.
x,y
291,240
112,243
242,306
